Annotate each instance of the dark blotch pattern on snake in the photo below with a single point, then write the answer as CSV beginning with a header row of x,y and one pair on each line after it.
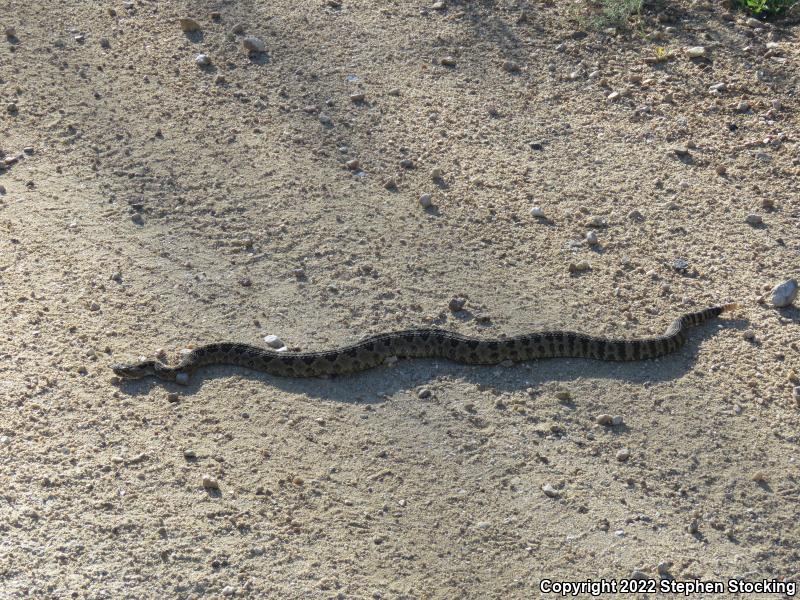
x,y
425,343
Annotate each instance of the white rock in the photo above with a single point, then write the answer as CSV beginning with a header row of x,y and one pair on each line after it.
x,y
425,201
202,60
550,491
253,44
696,51
591,238
623,455
273,341
537,212
228,590
784,294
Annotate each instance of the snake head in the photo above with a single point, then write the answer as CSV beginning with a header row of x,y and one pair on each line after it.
x,y
135,370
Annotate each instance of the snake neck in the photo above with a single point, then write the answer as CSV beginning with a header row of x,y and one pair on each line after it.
x,y
165,373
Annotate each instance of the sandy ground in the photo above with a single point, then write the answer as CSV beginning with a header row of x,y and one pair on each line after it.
x,y
160,205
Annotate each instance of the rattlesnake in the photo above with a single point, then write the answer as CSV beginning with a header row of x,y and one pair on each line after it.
x,y
423,343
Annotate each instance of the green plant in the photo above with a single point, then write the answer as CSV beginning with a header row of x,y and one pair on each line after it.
x,y
767,8
614,13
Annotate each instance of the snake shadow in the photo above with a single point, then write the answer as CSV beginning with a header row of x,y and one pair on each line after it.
x,y
378,384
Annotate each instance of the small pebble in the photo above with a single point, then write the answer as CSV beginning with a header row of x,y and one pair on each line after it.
x,y
357,97
437,174
273,341
563,395
4,439
721,170
353,165
623,455
10,31
210,483
696,51
425,201
537,212
228,590
253,44
616,420
591,238
172,397
784,294
511,66
796,394
579,267
188,24
394,92
457,303
638,574
202,60
297,480
424,393
743,106
768,203
407,163
188,453
754,219
448,61
604,419
664,567
550,491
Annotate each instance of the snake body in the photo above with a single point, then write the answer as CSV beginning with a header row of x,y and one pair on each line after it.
x,y
424,343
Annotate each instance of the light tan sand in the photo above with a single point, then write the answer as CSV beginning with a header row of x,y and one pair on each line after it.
x,y
156,193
